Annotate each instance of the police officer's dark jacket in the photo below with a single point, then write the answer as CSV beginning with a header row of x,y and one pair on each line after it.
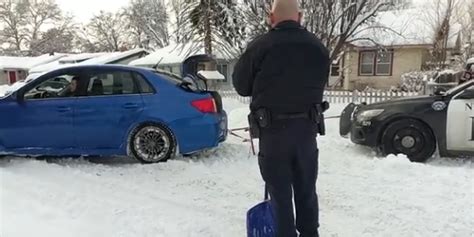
x,y
284,70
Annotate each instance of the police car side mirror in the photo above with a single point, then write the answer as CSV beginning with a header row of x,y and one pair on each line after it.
x,y
440,91
467,95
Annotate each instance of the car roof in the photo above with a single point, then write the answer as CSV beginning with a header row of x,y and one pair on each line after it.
x,y
105,66
118,66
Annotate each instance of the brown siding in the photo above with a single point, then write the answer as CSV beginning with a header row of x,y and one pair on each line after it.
x,y
404,60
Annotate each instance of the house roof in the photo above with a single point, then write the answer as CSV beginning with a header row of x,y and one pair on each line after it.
x,y
112,58
26,63
409,27
75,58
470,61
70,59
94,58
174,54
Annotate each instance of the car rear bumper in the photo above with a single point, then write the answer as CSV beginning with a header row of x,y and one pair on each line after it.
x,y
200,133
223,127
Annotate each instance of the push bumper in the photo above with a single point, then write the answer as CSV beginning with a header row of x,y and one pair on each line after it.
x,y
363,134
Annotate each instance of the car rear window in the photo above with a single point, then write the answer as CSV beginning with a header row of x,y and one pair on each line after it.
x,y
175,79
178,81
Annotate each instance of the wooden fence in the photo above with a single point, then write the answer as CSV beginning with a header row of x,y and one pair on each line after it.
x,y
334,97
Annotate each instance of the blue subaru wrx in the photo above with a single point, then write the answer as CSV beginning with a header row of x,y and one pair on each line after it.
x,y
110,110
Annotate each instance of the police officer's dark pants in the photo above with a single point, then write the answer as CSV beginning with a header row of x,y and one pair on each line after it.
x,y
288,161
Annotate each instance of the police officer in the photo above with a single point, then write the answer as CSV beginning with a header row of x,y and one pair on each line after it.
x,y
285,71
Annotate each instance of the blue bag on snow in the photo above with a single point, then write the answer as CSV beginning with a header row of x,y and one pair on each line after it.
x,y
260,220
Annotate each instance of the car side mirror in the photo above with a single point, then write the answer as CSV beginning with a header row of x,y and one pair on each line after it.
x,y
467,95
440,91
20,96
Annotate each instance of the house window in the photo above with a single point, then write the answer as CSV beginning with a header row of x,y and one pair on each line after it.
x,y
373,63
335,69
367,60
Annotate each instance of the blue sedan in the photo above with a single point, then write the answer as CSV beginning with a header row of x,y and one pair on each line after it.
x,y
110,110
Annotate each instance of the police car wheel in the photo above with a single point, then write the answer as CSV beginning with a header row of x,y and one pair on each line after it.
x,y
409,137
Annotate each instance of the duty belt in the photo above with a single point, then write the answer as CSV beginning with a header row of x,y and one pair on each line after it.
x,y
292,116
262,118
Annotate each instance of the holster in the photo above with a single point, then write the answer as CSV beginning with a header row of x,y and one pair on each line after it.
x,y
261,118
317,115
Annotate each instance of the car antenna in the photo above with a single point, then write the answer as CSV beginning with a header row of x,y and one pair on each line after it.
x,y
157,64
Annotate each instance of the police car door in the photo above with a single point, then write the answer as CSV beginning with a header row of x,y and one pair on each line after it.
x,y
460,134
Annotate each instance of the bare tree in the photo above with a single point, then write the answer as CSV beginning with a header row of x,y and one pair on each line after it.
x,y
23,21
444,18
107,32
256,15
335,22
13,18
40,13
83,41
147,23
441,19
58,39
463,14
470,35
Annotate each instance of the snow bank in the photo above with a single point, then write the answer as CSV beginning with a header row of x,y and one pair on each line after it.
x,y
208,195
3,89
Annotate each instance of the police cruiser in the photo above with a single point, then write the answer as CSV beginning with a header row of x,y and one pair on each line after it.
x,y
416,126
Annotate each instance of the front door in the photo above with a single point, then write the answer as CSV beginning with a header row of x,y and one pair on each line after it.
x,y
12,78
42,121
460,134
112,104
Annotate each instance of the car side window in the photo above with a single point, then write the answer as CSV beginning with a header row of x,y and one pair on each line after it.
x,y
112,83
58,86
467,94
144,85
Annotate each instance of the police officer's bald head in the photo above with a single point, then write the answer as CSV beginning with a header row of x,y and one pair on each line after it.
x,y
283,10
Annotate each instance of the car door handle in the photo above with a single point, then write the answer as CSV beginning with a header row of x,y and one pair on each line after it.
x,y
63,109
130,106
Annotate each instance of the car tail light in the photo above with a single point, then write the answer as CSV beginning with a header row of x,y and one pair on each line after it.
x,y
207,105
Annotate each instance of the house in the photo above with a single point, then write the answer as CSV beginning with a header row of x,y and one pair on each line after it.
x,y
170,58
64,61
399,42
13,69
90,58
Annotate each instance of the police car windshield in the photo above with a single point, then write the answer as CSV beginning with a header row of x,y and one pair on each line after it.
x,y
454,89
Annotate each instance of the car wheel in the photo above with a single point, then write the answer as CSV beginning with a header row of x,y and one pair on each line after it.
x,y
152,144
409,137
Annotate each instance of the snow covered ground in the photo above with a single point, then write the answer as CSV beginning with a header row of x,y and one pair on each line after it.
x,y
208,195
3,89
